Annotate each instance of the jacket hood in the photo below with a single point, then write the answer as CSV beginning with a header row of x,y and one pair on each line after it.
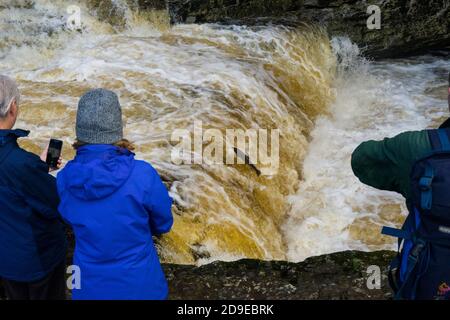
x,y
96,172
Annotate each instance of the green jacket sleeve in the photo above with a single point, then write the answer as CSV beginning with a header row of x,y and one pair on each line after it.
x,y
387,164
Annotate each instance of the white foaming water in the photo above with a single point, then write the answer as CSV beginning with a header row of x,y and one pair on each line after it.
x,y
332,211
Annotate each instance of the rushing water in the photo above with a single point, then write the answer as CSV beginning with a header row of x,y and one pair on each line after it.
x,y
322,96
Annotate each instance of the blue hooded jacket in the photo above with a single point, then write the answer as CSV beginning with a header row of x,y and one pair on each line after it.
x,y
32,238
115,204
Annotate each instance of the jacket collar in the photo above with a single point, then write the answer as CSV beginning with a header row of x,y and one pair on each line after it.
x,y
100,149
10,135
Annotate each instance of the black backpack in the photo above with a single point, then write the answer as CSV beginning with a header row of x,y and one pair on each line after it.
x,y
421,269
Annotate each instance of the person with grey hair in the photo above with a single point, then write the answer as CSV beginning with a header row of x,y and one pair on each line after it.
x,y
32,237
9,96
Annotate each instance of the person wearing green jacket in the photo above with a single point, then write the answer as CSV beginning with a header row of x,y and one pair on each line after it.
x,y
409,164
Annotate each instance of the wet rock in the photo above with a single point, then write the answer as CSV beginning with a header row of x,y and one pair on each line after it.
x,y
118,12
340,276
153,4
111,11
407,26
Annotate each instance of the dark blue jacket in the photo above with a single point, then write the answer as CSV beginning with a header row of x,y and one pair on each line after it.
x,y
32,239
115,204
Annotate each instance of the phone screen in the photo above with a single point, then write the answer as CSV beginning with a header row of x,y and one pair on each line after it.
x,y
54,152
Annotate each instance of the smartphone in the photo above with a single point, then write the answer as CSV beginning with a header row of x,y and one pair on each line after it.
x,y
53,153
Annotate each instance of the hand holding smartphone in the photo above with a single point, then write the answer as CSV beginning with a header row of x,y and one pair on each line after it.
x,y
54,153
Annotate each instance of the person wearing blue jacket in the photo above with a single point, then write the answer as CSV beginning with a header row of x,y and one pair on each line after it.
x,y
114,204
32,236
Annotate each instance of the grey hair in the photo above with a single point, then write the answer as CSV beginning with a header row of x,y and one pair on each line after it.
x,y
9,92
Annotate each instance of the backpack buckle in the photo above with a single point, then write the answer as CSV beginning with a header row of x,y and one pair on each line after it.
x,y
418,247
425,183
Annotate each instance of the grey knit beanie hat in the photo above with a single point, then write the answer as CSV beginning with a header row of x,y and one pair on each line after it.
x,y
99,117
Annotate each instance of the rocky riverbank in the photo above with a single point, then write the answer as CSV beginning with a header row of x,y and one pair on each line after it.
x,y
407,26
337,276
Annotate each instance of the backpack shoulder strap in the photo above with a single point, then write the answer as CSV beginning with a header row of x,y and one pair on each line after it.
x,y
439,139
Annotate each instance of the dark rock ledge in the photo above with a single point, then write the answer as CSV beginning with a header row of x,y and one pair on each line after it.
x,y
337,276
407,26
